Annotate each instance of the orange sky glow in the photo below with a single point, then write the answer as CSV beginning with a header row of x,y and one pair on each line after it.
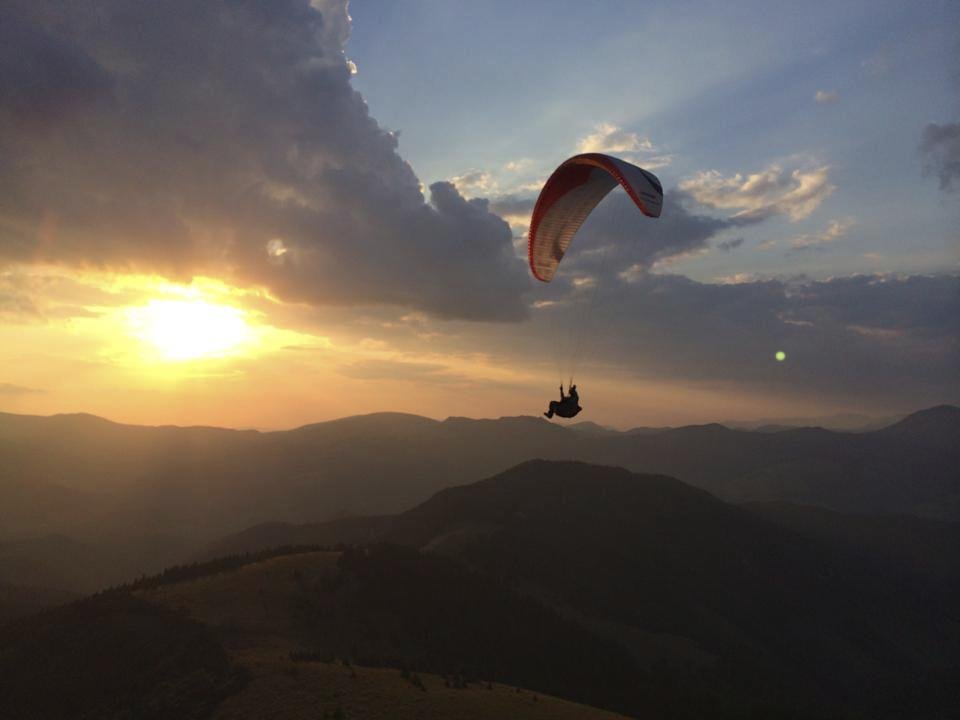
x,y
141,349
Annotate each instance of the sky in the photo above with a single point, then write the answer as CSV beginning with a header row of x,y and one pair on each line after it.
x,y
264,214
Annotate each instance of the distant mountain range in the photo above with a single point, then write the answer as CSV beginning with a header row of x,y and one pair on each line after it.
x,y
86,498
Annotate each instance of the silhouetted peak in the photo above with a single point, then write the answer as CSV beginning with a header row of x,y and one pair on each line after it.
x,y
551,495
939,425
588,427
379,420
707,430
937,413
82,418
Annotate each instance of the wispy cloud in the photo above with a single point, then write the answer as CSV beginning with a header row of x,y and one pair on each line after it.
x,y
940,147
826,97
775,190
11,389
835,230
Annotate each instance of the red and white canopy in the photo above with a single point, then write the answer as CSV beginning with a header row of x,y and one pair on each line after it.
x,y
571,193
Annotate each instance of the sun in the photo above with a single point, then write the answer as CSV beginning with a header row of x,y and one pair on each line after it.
x,y
180,330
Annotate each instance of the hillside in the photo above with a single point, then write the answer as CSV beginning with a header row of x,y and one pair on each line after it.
x,y
910,548
391,607
218,645
309,691
633,593
16,601
343,531
659,564
112,656
788,600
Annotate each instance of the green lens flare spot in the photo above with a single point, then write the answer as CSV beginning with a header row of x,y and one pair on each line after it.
x,y
780,355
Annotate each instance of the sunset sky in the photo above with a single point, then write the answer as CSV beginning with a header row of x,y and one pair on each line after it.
x,y
267,213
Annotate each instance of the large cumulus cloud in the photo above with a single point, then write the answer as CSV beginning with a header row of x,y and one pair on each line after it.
x,y
224,138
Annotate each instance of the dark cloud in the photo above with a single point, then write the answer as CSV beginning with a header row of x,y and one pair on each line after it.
x,y
940,147
224,138
728,245
512,206
867,339
43,76
618,239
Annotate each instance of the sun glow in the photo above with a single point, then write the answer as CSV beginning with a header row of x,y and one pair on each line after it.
x,y
181,330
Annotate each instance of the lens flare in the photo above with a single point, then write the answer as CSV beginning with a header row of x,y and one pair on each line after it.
x,y
780,356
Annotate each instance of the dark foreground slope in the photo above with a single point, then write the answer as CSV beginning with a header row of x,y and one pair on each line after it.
x,y
112,656
633,593
776,606
16,601
237,639
746,608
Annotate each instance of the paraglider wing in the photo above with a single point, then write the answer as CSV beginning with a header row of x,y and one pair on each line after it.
x,y
570,195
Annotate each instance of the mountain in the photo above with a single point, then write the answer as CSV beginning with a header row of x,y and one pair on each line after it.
x,y
911,549
659,564
591,428
769,601
635,593
167,492
935,427
894,470
842,422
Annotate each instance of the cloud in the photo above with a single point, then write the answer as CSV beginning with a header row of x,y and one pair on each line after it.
x,y
616,238
776,190
835,230
511,205
877,64
517,165
728,245
188,139
609,138
11,389
940,147
475,183
865,337
514,209
392,369
824,97
30,297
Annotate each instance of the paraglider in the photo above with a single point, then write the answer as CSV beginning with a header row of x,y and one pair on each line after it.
x,y
567,407
565,202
